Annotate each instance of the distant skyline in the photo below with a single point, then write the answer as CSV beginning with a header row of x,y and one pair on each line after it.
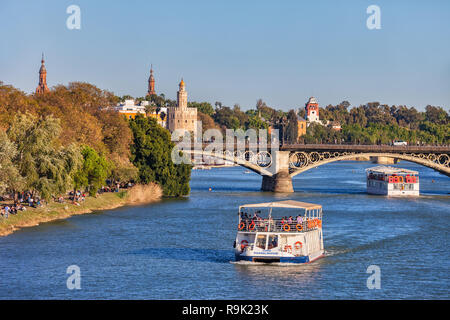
x,y
236,51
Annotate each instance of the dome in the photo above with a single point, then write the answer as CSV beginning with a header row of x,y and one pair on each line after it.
x,y
312,100
182,84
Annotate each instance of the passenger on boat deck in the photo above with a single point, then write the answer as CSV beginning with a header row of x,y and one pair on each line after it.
x,y
290,220
299,219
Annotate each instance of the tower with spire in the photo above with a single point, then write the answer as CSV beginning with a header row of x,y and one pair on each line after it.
x,y
182,95
151,83
42,86
181,117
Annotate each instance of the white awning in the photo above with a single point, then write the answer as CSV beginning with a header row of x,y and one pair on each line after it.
x,y
391,170
284,204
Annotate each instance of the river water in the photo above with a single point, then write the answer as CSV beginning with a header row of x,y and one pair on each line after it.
x,y
182,248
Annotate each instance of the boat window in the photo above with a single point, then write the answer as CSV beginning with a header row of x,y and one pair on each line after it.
x,y
273,241
261,241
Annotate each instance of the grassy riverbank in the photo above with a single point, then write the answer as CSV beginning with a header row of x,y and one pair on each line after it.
x,y
55,211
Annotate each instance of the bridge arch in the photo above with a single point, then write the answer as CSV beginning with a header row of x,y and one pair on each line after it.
x,y
239,160
424,161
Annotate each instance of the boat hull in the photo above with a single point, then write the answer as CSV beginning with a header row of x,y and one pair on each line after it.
x,y
278,258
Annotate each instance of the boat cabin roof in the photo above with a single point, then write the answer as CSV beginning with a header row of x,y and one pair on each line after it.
x,y
284,204
391,170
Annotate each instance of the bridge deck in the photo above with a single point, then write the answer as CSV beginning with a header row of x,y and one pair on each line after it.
x,y
345,148
365,148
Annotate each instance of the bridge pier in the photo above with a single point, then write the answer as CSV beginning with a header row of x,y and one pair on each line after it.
x,y
280,181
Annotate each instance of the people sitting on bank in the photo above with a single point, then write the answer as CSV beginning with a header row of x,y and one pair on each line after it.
x,y
7,210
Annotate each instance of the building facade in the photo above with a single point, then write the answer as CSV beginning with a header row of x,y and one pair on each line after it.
x,y
160,115
181,117
312,110
130,110
42,86
301,127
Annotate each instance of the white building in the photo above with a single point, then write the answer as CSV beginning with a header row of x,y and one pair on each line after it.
x,y
130,110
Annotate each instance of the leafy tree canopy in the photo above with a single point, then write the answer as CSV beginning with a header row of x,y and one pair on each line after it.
x,y
151,154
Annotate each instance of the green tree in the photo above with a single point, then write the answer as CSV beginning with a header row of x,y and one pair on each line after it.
x,y
292,127
93,172
436,115
203,107
10,179
151,153
45,167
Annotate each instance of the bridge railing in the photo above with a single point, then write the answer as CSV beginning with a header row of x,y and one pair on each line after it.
x,y
278,225
366,148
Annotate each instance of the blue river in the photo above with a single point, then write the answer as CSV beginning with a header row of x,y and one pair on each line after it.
x,y
182,248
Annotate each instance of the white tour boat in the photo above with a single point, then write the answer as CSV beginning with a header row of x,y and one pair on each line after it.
x,y
392,181
296,237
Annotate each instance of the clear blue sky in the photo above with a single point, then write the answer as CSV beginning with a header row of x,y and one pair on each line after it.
x,y
236,51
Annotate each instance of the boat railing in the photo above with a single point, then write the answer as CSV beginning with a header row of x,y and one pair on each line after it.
x,y
278,225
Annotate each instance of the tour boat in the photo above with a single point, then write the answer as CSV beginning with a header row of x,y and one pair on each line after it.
x,y
392,181
292,234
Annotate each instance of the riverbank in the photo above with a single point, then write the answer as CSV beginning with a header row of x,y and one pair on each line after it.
x,y
56,211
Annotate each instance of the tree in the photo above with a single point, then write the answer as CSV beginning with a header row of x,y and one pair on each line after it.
x,y
93,172
436,115
157,101
45,167
203,107
255,122
292,127
226,118
10,179
126,97
207,121
266,112
151,154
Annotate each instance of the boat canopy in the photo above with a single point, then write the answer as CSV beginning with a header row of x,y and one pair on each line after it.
x,y
284,204
390,170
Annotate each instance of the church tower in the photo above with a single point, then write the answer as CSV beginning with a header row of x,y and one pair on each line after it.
x,y
312,110
151,83
42,86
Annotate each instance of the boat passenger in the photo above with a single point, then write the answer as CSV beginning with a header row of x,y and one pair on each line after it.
x,y
274,242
